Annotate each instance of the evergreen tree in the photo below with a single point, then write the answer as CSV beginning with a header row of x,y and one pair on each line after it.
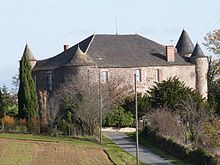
x,y
1,104
27,97
8,106
171,93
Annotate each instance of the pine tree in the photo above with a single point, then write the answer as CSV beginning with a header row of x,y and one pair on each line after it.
x,y
6,102
1,104
27,97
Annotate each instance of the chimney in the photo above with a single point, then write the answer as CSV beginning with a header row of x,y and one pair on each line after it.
x,y
170,53
65,47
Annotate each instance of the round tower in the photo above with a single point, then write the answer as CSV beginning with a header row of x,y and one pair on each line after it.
x,y
29,55
201,68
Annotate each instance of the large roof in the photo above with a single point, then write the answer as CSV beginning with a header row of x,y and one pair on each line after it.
x,y
184,45
114,51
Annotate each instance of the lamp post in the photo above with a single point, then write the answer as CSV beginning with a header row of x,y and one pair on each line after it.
x,y
100,106
136,118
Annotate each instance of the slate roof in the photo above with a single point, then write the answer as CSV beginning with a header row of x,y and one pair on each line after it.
x,y
28,53
114,51
184,45
197,52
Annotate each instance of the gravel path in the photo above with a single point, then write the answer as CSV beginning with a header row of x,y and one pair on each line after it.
x,y
128,145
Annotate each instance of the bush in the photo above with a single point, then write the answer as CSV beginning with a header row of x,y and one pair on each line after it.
x,y
171,93
199,157
143,104
119,118
166,123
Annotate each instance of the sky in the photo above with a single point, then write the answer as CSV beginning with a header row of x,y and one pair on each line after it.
x,y
46,25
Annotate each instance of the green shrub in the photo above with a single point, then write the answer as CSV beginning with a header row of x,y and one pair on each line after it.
x,y
199,157
119,118
170,93
143,104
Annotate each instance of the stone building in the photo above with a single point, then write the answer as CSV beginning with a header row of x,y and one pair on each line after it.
x,y
110,56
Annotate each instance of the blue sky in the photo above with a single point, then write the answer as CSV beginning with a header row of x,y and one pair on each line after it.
x,y
48,24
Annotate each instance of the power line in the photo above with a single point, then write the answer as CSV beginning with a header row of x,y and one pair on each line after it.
x,y
209,23
216,23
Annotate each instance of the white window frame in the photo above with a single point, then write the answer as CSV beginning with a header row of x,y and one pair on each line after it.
x,y
138,75
104,77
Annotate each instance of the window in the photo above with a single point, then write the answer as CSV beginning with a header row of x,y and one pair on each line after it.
x,y
138,75
104,76
49,81
35,79
157,75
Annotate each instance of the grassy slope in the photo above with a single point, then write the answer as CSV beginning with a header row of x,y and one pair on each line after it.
x,y
116,154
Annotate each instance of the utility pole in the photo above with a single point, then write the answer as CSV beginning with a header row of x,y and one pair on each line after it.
x,y
100,106
136,116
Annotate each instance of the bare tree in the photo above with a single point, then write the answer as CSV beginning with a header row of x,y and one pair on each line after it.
x,y
192,118
84,100
166,122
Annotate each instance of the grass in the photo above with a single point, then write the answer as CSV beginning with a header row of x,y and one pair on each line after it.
x,y
116,154
146,143
81,141
14,153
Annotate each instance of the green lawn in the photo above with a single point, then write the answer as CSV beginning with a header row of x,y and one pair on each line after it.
x,y
17,151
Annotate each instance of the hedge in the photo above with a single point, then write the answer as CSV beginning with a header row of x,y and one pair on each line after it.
x,y
195,156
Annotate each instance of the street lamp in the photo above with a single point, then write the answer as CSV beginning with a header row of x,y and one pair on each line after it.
x,y
136,118
100,106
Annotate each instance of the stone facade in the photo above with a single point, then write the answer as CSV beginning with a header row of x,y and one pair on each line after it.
x,y
149,75
107,57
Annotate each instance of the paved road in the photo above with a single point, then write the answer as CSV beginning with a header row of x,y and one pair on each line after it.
x,y
128,145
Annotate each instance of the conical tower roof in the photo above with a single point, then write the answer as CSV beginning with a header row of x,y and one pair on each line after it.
x,y
81,59
28,53
197,52
184,45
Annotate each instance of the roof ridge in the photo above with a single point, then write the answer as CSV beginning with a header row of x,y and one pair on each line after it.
x,y
90,43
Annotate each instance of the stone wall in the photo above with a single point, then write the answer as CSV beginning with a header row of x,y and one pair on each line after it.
x,y
91,74
150,75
